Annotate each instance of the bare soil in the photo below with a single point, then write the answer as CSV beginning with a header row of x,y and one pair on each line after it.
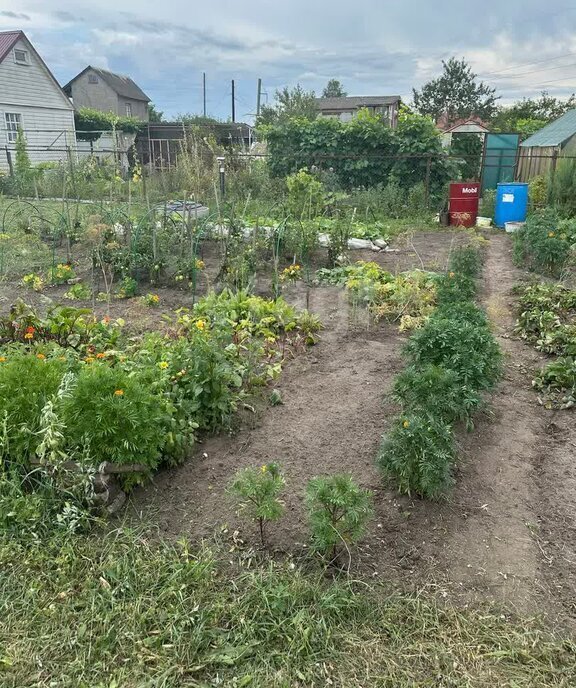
x,y
507,533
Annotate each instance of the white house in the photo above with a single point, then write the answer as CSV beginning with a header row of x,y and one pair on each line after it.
x,y
31,99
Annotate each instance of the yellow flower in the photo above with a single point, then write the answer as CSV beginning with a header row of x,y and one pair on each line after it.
x,y
119,393
450,274
2,359
264,468
550,234
89,359
201,324
100,355
406,424
200,265
29,335
163,365
40,356
61,358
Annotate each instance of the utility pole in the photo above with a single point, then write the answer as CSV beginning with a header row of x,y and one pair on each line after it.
x,y
204,91
258,97
233,103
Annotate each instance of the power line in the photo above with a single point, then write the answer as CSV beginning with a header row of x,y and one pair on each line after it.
x,y
526,64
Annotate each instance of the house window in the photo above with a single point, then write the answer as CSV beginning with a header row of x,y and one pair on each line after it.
x,y
13,123
92,79
21,57
128,110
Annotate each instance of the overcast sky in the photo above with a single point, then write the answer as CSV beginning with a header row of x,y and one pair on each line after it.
x,y
374,47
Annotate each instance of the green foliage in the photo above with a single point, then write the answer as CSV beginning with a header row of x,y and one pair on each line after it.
x,y
488,203
468,146
454,287
466,260
78,292
408,297
154,115
116,416
538,192
334,89
418,452
27,383
258,492
306,197
338,510
546,318
61,273
288,104
127,288
528,115
436,391
455,94
90,123
558,382
545,242
22,165
467,349
419,141
562,188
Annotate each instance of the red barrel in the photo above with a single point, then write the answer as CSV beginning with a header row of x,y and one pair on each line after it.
x,y
463,206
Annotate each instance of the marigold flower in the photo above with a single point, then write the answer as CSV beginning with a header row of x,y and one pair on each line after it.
x,y
89,359
100,355
2,359
119,393
28,335
201,324
163,365
40,356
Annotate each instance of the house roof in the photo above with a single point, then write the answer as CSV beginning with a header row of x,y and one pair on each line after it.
x,y
555,133
8,40
123,85
354,102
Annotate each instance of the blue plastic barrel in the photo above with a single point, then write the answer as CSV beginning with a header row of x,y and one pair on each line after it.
x,y
511,203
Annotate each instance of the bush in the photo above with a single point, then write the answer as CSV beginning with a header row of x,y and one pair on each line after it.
x,y
545,242
453,288
338,510
469,350
558,381
465,312
115,416
466,260
418,454
437,391
27,382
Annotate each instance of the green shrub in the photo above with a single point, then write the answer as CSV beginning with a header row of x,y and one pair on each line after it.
x,y
545,242
466,260
453,287
466,311
127,288
437,391
488,203
418,454
258,492
115,416
338,510
27,382
469,350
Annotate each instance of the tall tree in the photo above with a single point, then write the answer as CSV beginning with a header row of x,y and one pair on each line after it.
x,y
154,115
455,94
334,89
528,115
289,103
